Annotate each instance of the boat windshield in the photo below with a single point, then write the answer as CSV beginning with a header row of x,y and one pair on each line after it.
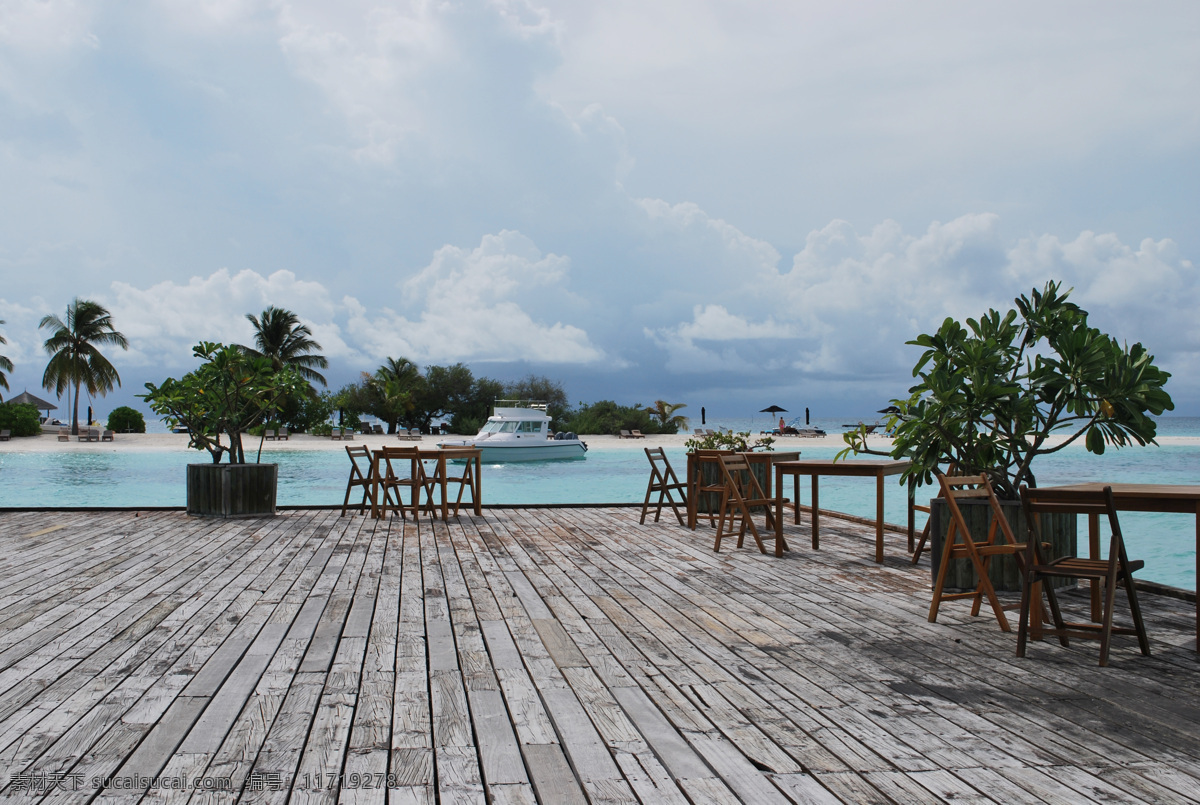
x,y
493,426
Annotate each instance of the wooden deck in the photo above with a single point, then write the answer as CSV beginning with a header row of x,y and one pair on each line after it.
x,y
556,655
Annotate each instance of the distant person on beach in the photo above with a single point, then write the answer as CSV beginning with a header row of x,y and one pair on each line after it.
x,y
781,425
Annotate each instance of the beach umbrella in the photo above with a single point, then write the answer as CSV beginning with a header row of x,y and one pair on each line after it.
x,y
805,416
891,409
774,409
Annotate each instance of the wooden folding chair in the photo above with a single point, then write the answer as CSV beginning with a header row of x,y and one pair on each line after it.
x,y
707,490
394,479
465,481
358,477
1111,571
741,495
959,544
953,472
663,481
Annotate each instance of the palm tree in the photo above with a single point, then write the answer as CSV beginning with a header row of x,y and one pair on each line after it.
x,y
280,336
5,364
74,359
668,421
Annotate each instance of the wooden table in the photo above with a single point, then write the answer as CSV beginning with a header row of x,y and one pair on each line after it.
x,y
766,457
864,468
440,456
1166,498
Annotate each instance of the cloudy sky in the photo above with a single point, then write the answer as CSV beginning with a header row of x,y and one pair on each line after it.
x,y
720,203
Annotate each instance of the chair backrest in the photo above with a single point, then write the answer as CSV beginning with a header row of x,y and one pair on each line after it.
x,y
958,487
660,467
739,478
359,473
1036,502
409,454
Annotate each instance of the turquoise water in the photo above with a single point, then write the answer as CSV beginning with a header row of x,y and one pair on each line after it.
x,y
318,477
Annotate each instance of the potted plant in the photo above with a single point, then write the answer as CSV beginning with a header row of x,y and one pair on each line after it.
x,y
229,392
994,395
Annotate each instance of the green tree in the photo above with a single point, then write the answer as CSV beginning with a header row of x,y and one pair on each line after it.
x,y
279,335
126,420
668,420
991,395
393,392
5,365
229,393
75,360
541,389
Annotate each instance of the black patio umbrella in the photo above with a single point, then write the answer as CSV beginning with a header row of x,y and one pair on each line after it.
x,y
774,409
891,409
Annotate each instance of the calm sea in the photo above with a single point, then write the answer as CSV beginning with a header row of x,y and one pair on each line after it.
x,y
1166,542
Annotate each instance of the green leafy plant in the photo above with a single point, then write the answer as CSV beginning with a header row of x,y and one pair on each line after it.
x,y
21,419
74,357
229,393
126,420
728,440
668,420
1001,391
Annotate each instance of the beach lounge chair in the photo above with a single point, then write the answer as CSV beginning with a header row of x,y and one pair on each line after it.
x,y
107,436
624,434
269,435
4,435
408,434
663,481
742,494
64,434
1116,570
283,435
377,430
636,434
960,544
697,431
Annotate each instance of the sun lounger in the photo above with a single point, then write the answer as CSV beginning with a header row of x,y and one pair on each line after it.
x,y
408,434
283,435
636,434
336,434
624,435
4,435
64,434
107,436
93,434
269,435
697,431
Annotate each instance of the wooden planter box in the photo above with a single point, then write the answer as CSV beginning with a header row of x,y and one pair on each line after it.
x,y
1057,529
232,490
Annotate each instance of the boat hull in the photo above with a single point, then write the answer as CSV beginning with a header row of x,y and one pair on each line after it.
x,y
546,451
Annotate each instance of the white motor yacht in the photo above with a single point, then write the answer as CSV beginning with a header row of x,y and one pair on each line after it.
x,y
519,430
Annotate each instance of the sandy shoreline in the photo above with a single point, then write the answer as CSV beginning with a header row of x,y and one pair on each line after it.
x,y
171,442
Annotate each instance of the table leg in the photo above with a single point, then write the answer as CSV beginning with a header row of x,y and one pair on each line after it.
x,y
816,517
879,518
778,510
442,473
1094,553
691,491
477,486
912,517
373,487
796,495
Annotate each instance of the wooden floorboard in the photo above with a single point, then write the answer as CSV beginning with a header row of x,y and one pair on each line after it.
x,y
548,655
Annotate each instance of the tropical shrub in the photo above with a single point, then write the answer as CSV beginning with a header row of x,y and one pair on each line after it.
x,y
728,440
229,393
1001,391
607,417
20,419
126,420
